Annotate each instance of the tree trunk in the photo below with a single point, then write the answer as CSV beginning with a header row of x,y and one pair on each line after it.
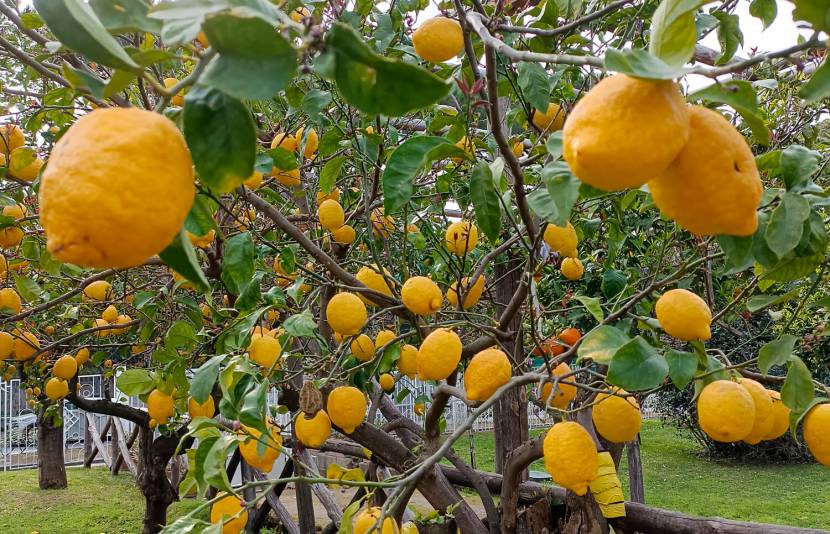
x,y
152,479
50,461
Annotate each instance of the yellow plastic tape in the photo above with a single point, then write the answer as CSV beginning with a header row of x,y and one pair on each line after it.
x,y
606,488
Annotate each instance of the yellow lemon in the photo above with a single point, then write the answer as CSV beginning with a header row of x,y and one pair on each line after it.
x,y
726,411
122,319
26,344
311,142
597,140
299,14
387,382
28,172
565,391
473,293
616,418
346,407
287,178
684,315
334,194
817,432
383,338
10,302
285,141
331,215
421,295
487,371
56,388
438,355
346,313
17,211
366,521
461,237
6,345
764,417
160,406
562,239
11,137
65,368
572,268
126,206
110,314
254,181
438,39
261,452
570,456
371,277
202,241
713,186
362,348
265,351
82,356
382,225
98,290
229,511
11,236
408,361
780,415
551,120
178,98
344,235
419,408
312,431
205,409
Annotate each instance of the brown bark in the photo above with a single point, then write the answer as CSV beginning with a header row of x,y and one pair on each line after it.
x,y
158,493
50,466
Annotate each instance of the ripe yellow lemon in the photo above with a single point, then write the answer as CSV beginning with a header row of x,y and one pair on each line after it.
x,y
780,415
178,98
313,431
285,141
550,120
346,314
684,315
438,355
65,368
408,361
382,225
98,290
725,411
311,142
202,241
572,268
331,215
261,451
17,211
817,432
289,178
6,345
122,319
487,371
11,137
616,419
438,39
265,351
597,140
383,338
82,356
764,417
299,14
346,407
419,408
421,295
713,186
371,277
334,194
565,392
205,409
562,239
366,521
56,388
10,302
110,314
229,511
344,235
387,382
160,406
26,344
11,236
570,456
473,293
362,348
117,189
28,172
461,237
254,181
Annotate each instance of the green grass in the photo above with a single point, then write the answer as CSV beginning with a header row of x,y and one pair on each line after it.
x,y
677,478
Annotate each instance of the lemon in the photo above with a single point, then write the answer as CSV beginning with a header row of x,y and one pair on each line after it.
x,y
684,315
366,521
421,295
126,206
439,355
346,407
344,235
467,146
285,141
616,419
299,14
16,211
25,345
408,361
56,388
331,215
419,408
564,393
254,181
345,313
261,452
226,508
550,120
160,406
110,314
370,277
178,98
764,417
362,348
461,237
713,186
570,456
11,137
6,345
438,39
98,290
334,194
572,268
312,141
65,368
473,293
82,356
597,140
780,416
518,148
10,302
387,382
122,319
11,236
487,371
562,239
382,225
265,351
203,40
383,338
817,432
289,178
27,173
202,241
312,431
205,409
726,411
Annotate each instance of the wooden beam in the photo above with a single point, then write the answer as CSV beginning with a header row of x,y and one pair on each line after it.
x,y
97,439
90,433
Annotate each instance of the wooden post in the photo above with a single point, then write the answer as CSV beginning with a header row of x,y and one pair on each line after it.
x,y
636,483
87,441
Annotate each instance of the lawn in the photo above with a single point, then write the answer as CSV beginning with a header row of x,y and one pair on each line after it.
x,y
676,478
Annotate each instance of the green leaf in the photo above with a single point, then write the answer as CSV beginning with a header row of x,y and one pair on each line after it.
x,y
554,144
818,86
204,377
601,343
75,25
283,159
729,36
759,302
200,219
673,31
376,84
391,354
134,382
797,165
238,265
786,224
330,172
816,12
301,324
250,296
31,20
641,64
613,282
776,352
798,390
180,335
533,80
180,256
485,201
636,366
411,157
214,464
254,60
766,10
796,417
592,305
122,16
682,367
83,81
252,411
221,136
790,268
28,288
555,201
742,97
